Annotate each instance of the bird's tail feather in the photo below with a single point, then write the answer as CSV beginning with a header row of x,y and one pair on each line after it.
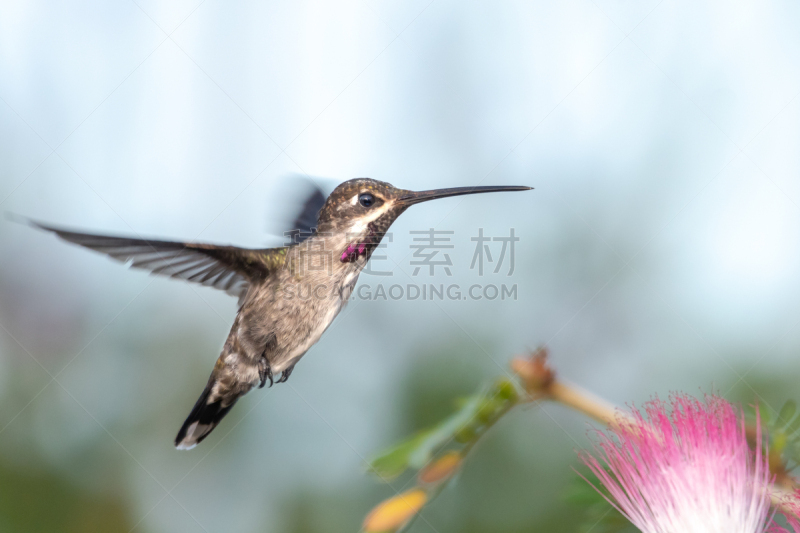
x,y
205,416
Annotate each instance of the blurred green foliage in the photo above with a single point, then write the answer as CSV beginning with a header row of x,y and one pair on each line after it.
x,y
462,430
441,373
35,501
518,478
773,397
599,516
476,414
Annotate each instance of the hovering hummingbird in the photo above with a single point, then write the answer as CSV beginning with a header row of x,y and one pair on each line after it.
x,y
288,296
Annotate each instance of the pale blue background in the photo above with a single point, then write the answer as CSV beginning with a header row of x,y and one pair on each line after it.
x,y
660,250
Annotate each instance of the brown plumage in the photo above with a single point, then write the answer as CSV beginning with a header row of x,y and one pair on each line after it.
x,y
287,296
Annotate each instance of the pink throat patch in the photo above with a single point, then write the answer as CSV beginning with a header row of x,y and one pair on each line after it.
x,y
357,249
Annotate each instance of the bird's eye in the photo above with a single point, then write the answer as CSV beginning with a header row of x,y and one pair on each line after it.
x,y
366,199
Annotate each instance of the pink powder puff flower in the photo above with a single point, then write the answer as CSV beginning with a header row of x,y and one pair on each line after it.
x,y
686,471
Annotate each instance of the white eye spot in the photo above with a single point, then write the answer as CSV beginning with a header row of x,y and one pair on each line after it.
x,y
360,224
354,201
357,227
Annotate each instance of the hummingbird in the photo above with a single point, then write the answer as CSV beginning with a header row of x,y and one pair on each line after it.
x,y
288,296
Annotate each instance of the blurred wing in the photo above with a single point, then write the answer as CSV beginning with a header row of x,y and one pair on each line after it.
x,y
227,268
306,221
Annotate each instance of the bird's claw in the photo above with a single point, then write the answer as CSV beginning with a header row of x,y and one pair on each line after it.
x,y
285,374
264,372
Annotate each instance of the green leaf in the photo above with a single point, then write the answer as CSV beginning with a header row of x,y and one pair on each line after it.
x,y
474,414
394,461
779,441
583,490
582,494
444,432
792,453
417,451
599,516
793,426
606,520
786,414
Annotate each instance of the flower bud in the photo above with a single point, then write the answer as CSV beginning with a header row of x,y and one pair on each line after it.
x,y
440,470
392,514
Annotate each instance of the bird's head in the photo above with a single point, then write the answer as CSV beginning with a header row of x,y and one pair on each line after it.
x,y
364,209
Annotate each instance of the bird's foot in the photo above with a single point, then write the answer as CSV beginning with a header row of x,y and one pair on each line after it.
x,y
285,374
264,372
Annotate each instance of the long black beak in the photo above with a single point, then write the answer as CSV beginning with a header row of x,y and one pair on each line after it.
x,y
423,196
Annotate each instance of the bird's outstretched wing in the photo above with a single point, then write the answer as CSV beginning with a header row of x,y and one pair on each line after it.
x,y
227,268
305,221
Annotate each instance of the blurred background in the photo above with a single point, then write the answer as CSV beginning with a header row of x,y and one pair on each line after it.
x,y
660,250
